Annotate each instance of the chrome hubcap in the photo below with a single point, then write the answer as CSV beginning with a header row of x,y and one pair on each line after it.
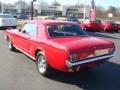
x,y
42,64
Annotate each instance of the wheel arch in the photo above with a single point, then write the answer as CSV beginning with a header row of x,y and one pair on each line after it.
x,y
38,50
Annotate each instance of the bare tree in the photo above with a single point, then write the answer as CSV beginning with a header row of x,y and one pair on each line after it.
x,y
101,12
112,10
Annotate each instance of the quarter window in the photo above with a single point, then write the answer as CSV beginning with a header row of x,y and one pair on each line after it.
x,y
30,29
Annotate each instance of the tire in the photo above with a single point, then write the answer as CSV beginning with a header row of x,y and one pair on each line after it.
x,y
10,45
118,31
42,64
112,31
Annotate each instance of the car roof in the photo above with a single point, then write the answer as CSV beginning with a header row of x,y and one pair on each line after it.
x,y
50,21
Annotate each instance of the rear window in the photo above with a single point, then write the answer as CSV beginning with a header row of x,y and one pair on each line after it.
x,y
6,16
64,30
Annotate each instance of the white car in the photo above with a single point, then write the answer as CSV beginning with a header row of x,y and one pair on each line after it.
x,y
7,20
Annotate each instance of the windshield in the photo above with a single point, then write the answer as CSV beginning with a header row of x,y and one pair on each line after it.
x,y
63,30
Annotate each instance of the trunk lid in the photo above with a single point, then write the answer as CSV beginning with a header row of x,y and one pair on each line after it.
x,y
85,47
83,43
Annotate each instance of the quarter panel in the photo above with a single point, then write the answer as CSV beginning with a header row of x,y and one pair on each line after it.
x,y
55,56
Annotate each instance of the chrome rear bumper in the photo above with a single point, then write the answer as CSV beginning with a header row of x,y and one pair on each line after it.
x,y
100,58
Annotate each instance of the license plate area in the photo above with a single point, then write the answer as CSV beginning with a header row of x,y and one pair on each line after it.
x,y
101,52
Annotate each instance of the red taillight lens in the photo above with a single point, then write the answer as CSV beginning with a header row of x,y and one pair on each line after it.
x,y
111,50
73,57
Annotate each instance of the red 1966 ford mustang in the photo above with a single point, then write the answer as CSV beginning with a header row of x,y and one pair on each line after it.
x,y
59,45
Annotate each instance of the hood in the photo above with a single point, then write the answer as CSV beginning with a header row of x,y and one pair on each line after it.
x,y
83,43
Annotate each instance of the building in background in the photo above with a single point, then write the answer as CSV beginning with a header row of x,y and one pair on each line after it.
x,y
77,11
0,6
20,7
63,11
46,10
52,10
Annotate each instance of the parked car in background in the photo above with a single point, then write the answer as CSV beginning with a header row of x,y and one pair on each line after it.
x,y
91,25
51,18
22,16
15,15
7,20
73,19
118,27
59,45
109,25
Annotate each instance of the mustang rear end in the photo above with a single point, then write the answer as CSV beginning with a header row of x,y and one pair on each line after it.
x,y
84,59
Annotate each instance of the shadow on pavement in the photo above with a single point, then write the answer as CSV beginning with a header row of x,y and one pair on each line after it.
x,y
96,34
105,77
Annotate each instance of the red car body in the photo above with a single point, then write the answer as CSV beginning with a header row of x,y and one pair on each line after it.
x,y
62,53
109,26
118,27
91,25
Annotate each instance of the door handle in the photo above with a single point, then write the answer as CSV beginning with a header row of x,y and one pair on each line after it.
x,y
31,38
27,37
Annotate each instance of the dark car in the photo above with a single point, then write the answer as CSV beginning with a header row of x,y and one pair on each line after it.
x,y
22,16
110,26
51,18
73,19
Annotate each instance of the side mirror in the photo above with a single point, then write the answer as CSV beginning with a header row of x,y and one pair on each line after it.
x,y
24,31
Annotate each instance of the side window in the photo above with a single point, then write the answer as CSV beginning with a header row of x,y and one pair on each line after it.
x,y
30,29
25,28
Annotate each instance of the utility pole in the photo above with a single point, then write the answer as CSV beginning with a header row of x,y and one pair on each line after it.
x,y
32,12
78,9
55,8
84,10
2,7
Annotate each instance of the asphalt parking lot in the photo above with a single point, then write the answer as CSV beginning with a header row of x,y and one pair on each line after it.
x,y
18,72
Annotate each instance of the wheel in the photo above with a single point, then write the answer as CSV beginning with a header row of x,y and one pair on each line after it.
x,y
10,45
118,31
112,30
42,64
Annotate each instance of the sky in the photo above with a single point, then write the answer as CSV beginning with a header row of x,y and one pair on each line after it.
x,y
104,3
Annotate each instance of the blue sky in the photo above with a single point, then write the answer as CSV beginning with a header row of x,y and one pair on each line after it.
x,y
104,3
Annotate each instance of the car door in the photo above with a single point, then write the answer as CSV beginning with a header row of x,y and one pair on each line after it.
x,y
31,41
21,41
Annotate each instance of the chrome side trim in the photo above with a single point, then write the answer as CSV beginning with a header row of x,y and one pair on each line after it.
x,y
25,53
71,64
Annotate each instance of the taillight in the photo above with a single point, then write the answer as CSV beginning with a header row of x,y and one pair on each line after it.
x,y
73,57
111,50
